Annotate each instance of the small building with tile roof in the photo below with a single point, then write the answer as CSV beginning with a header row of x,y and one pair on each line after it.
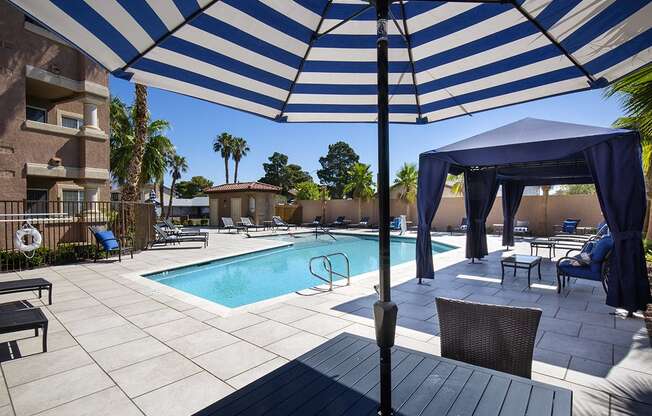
x,y
255,200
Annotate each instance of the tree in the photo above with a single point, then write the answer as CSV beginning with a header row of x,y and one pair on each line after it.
x,y
579,189
239,150
635,93
308,191
279,173
223,144
360,185
406,184
192,188
455,183
336,167
178,165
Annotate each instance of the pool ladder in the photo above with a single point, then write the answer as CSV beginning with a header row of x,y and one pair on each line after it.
x,y
326,262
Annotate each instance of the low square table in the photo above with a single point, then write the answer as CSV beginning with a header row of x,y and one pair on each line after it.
x,y
520,261
543,243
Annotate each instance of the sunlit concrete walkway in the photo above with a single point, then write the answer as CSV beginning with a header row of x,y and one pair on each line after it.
x,y
121,346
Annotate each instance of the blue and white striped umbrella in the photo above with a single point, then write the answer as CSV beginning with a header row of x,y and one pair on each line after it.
x,y
315,60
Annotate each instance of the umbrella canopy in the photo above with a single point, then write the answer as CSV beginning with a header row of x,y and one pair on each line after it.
x,y
315,60
378,61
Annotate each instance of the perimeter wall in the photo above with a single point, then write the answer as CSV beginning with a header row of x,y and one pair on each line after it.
x,y
451,211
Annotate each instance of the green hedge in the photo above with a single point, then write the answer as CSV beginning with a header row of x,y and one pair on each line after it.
x,y
43,256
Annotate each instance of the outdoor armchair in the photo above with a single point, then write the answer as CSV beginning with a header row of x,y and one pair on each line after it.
x,y
107,242
497,337
592,263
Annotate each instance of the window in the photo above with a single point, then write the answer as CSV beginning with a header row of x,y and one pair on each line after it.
x,y
71,122
37,201
72,202
36,114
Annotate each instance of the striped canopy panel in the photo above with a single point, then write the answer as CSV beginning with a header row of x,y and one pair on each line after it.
x,y
315,60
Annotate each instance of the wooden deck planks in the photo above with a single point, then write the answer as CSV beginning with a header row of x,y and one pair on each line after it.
x,y
341,377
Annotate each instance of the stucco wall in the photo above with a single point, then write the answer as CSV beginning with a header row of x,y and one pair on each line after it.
x,y
451,211
220,206
20,47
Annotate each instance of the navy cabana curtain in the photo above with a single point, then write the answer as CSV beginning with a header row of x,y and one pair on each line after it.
x,y
512,193
617,172
430,187
480,188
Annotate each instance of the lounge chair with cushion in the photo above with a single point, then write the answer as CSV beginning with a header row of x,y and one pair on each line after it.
x,y
591,263
339,222
522,227
27,285
315,223
107,242
24,319
162,237
248,224
395,224
279,223
569,226
491,336
464,225
364,223
230,225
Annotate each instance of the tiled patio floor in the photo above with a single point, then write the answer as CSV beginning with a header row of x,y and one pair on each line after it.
x,y
120,347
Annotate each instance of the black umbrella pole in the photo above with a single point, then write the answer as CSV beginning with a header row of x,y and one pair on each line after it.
x,y
385,310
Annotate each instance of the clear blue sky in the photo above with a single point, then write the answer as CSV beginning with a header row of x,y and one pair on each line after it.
x,y
195,123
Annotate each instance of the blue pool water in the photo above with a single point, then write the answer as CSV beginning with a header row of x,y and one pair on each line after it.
x,y
250,278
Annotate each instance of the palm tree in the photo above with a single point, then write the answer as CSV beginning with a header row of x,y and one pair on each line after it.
x,y
130,190
361,184
156,150
223,144
239,150
455,183
178,165
406,183
635,92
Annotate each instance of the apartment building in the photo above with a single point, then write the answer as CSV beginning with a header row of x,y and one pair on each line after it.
x,y
54,117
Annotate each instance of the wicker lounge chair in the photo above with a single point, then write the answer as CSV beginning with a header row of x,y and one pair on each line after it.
x,y
27,285
497,337
248,224
24,319
164,238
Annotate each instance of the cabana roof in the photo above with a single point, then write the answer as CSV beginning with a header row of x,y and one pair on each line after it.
x,y
532,151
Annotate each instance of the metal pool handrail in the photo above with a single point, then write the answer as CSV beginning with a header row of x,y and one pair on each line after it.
x,y
326,262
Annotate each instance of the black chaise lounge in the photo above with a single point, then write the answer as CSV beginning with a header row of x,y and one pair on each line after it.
x,y
23,319
248,224
27,285
164,238
230,225
175,230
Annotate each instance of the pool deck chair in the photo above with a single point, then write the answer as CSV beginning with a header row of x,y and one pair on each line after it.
x,y
248,224
315,223
522,227
339,222
279,223
497,337
27,285
164,238
107,242
24,319
170,228
464,225
230,225
364,223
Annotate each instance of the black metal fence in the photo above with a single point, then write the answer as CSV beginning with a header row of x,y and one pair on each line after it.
x,y
64,229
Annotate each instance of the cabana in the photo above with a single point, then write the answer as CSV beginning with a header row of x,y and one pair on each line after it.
x,y
541,152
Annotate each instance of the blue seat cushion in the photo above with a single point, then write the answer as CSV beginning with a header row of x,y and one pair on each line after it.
x,y
600,250
583,272
107,240
569,226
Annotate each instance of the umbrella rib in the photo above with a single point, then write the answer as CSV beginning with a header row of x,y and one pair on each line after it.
x,y
167,35
315,36
406,36
544,32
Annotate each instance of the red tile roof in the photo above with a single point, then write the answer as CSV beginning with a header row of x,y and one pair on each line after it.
x,y
243,187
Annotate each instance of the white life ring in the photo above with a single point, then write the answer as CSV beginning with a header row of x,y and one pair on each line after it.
x,y
19,239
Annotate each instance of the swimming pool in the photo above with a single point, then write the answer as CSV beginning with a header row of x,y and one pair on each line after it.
x,y
249,278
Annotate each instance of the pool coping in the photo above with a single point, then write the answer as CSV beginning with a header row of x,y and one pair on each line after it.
x,y
225,311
